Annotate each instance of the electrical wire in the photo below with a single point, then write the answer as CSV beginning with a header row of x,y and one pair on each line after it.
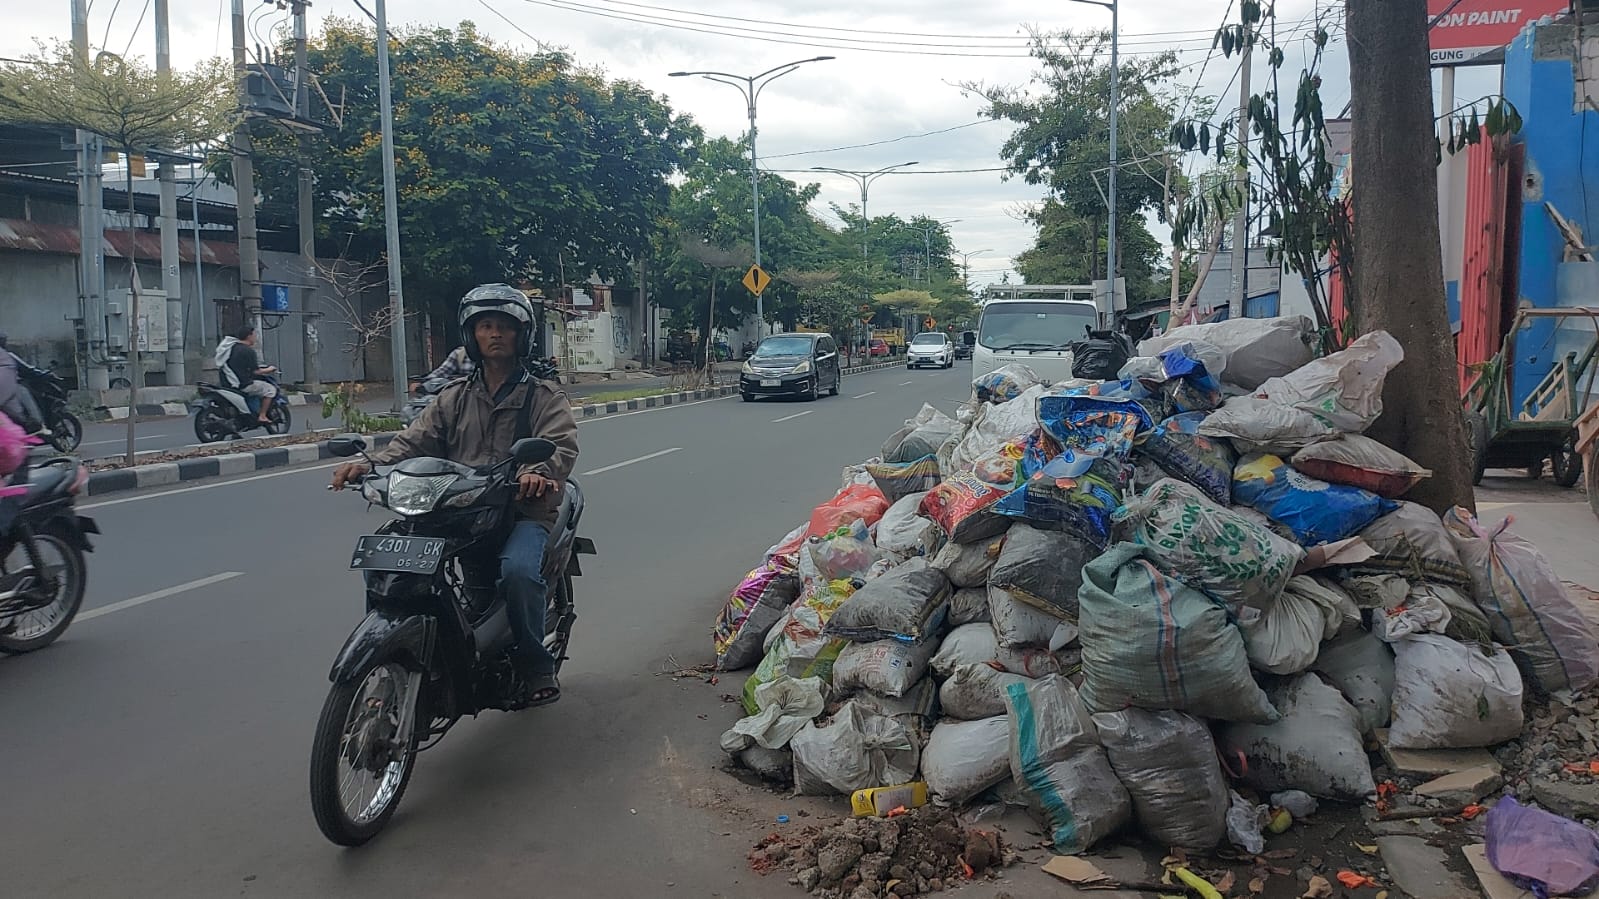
x,y
507,20
106,41
876,143
136,26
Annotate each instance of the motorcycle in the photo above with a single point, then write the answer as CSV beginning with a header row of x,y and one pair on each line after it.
x,y
223,412
42,546
66,432
434,645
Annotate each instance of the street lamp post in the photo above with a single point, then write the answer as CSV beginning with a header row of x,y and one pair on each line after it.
x,y
751,86
865,179
927,245
1115,79
966,266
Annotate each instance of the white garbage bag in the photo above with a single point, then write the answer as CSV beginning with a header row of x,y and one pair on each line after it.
x,y
976,644
856,750
1342,389
1450,695
1315,746
787,704
975,692
1361,667
1255,349
1285,637
964,758
1252,423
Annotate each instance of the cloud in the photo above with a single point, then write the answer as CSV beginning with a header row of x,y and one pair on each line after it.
x,y
860,97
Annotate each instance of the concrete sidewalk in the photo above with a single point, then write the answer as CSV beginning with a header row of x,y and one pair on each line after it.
x,y
1556,519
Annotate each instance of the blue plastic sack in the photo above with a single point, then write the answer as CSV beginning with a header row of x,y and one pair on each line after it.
x,y
1098,425
1317,512
1189,386
1182,452
1070,490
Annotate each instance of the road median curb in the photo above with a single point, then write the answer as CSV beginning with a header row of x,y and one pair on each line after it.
x,y
175,471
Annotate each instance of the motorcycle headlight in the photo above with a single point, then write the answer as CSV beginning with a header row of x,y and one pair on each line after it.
x,y
409,495
465,498
803,367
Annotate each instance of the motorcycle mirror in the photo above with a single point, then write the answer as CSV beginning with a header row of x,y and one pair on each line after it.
x,y
346,446
532,450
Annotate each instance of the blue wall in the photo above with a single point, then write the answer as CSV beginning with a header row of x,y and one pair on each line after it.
x,y
1561,168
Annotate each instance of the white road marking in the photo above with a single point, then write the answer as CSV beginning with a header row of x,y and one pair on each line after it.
x,y
664,452
159,594
865,395
792,417
906,383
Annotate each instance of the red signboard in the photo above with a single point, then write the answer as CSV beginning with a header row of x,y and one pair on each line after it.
x,y
1463,30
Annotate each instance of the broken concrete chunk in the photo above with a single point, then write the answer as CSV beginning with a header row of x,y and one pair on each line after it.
x,y
1463,787
1434,762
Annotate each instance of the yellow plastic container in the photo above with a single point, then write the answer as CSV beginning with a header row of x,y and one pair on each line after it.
x,y
879,801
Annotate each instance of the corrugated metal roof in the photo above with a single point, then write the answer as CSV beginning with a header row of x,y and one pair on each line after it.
x,y
36,237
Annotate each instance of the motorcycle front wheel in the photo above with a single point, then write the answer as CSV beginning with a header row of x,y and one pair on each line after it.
x,y
60,567
281,420
67,433
364,750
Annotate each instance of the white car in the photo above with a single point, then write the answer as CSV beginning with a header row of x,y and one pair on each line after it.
x,y
930,348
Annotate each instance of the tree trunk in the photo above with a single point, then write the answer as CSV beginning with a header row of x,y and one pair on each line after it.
x,y
1397,249
135,375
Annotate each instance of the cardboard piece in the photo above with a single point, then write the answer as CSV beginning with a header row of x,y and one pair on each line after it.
x,y
1079,873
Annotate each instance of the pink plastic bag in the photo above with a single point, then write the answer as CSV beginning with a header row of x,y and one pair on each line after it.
x,y
14,442
1551,855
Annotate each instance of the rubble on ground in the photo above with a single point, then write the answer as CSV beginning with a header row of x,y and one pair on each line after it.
x,y
1000,599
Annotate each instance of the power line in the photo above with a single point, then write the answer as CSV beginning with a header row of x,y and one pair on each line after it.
x,y
875,143
507,20
106,41
136,26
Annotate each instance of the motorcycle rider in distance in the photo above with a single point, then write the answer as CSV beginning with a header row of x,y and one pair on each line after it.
x,y
241,368
458,364
16,400
474,422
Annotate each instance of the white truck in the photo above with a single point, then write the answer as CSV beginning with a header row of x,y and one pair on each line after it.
x,y
1035,324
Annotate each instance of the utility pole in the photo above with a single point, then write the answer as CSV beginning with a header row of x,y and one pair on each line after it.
x,y
391,211
1240,258
91,224
1114,116
244,181
171,273
865,179
306,226
1174,202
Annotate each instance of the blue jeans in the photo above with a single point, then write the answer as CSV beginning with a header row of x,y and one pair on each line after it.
x,y
522,580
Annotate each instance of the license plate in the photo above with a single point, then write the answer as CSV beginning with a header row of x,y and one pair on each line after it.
x,y
378,552
771,382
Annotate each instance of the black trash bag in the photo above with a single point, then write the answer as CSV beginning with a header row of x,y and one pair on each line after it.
x,y
1101,356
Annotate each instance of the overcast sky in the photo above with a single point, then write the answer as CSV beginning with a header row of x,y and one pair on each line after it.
x,y
865,95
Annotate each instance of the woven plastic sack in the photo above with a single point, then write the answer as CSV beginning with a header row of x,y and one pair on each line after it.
x,y
991,428
898,480
1527,606
964,758
977,644
1452,695
903,532
968,605
1412,542
1182,452
975,692
1005,383
754,607
917,709
963,505
1284,638
1218,551
800,650
908,604
887,667
1167,762
1317,512
1543,852
921,436
1150,641
1359,461
1342,389
856,750
1057,762
1256,424
1361,667
1043,569
1315,747
1253,349
968,564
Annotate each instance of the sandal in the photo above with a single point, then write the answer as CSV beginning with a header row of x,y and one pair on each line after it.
x,y
542,689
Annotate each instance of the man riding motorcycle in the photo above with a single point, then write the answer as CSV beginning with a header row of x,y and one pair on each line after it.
x,y
16,400
458,364
474,422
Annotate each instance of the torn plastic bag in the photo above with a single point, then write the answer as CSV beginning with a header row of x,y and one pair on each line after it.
x,y
888,667
1218,551
856,750
1342,389
908,604
786,705
1153,642
1246,824
1316,746
1056,759
843,553
1043,569
1541,851
1527,605
964,758
750,612
1182,452
900,479
1361,667
1005,383
1167,762
1254,349
1448,695
975,692
1359,461
1317,512
976,644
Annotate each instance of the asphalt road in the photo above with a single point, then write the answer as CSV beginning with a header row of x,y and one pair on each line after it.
x,y
160,748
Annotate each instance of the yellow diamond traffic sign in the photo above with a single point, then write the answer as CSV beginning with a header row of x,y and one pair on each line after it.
x,y
756,279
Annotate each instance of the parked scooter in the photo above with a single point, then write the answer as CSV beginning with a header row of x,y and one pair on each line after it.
x,y
434,644
42,542
66,432
223,413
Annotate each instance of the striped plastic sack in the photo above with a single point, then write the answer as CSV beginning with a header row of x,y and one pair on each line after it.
x,y
899,480
1153,642
1057,762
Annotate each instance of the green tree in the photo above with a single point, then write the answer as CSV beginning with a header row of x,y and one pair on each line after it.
x,y
1070,249
510,165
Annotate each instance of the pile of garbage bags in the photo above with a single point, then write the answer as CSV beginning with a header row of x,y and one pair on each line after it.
x,y
1079,597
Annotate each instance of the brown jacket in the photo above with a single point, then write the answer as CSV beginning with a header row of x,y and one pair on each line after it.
x,y
464,425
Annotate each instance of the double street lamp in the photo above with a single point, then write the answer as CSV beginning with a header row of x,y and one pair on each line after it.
x,y
751,86
865,179
927,245
1115,79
